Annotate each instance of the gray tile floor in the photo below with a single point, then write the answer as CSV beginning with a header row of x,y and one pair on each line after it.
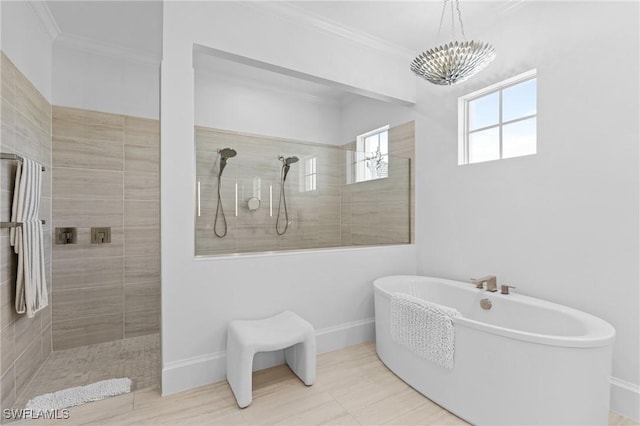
x,y
137,358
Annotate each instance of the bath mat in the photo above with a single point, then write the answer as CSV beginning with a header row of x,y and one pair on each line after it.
x,y
80,395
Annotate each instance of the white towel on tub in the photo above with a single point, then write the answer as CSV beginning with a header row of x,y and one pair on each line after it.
x,y
425,328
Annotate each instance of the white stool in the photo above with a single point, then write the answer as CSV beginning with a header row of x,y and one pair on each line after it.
x,y
283,331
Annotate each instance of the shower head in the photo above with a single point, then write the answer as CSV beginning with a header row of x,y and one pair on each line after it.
x,y
225,154
286,165
290,160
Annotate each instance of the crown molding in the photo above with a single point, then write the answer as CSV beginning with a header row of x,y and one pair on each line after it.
x,y
93,46
511,6
49,24
298,15
45,17
255,84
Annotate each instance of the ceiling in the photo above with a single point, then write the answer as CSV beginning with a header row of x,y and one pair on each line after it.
x,y
133,25
411,25
408,26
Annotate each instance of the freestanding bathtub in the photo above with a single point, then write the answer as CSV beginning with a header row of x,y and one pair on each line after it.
x,y
525,361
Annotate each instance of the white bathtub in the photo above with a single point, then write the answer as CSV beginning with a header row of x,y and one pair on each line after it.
x,y
523,362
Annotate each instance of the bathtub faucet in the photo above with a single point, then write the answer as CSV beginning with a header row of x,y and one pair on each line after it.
x,y
491,280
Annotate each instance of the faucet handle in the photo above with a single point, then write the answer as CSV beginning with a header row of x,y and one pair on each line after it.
x,y
504,289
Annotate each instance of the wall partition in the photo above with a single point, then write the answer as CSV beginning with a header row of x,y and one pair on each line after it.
x,y
259,194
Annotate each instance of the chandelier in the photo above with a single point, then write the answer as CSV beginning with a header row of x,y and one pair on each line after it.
x,y
455,61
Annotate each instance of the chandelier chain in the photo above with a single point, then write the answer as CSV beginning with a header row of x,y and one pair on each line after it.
x,y
464,37
444,6
453,26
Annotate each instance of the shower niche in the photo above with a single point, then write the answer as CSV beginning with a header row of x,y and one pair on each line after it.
x,y
274,173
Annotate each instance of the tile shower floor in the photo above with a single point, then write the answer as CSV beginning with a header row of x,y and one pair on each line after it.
x,y
136,357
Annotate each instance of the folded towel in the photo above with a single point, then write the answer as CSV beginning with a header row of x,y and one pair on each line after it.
x,y
425,328
31,285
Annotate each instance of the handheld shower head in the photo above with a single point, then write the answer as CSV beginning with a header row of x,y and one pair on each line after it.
x,y
290,160
286,164
225,154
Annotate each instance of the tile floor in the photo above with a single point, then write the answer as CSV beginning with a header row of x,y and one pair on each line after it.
x,y
353,388
137,358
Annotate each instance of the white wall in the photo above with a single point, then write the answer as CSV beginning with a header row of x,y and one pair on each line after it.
x,y
225,103
26,42
106,83
332,289
562,225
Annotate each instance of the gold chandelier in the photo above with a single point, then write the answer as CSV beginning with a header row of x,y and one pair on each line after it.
x,y
455,61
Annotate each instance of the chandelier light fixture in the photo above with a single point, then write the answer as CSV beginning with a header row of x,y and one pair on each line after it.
x,y
455,61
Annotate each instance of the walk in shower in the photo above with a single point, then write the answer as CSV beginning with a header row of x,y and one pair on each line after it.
x,y
102,320
280,194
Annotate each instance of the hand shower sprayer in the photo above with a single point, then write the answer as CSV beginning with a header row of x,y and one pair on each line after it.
x,y
225,154
286,166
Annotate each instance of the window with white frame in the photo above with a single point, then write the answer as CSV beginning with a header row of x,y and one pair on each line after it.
x,y
371,159
309,175
499,121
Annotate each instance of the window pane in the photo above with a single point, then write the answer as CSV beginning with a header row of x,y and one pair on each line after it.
x,y
484,111
519,138
484,146
384,142
371,143
519,100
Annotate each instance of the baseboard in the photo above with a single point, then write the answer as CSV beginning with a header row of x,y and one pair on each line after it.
x,y
202,370
343,335
625,399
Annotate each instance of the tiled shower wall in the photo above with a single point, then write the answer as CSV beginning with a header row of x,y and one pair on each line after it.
x,y
256,171
374,212
333,215
105,174
26,130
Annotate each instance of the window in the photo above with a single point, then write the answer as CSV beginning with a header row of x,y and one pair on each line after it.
x,y
499,121
310,173
371,159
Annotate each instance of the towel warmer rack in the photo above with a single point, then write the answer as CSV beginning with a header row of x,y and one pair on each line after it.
x,y
16,224
14,157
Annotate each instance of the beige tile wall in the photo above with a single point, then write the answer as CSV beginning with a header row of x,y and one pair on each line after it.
x,y
334,215
382,211
105,174
258,159
26,130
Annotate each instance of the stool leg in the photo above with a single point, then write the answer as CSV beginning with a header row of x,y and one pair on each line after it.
x,y
301,359
239,371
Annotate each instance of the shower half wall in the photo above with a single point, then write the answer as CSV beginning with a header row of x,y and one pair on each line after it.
x,y
326,206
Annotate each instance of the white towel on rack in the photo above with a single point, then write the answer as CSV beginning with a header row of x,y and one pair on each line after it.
x,y
31,284
424,327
